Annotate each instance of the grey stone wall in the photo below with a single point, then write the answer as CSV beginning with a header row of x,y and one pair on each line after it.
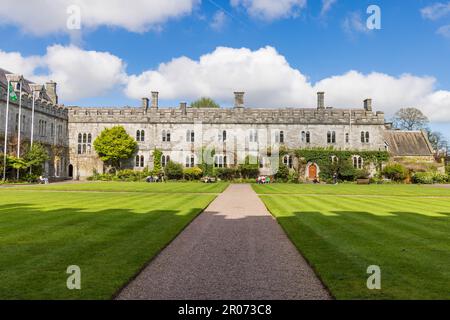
x,y
207,124
54,140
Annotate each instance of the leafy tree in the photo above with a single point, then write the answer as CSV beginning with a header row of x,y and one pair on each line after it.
x,y
205,103
410,119
173,170
36,157
114,145
282,173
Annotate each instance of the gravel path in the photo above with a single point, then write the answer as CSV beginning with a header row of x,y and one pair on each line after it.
x,y
235,250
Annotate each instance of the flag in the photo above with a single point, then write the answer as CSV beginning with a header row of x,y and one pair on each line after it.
x,y
12,93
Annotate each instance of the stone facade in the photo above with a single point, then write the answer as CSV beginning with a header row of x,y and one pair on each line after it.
x,y
182,132
50,123
248,131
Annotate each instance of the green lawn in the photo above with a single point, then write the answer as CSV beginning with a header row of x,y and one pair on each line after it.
x,y
109,235
408,236
353,189
169,187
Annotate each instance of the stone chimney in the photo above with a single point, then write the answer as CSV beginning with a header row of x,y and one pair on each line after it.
x,y
145,103
183,106
368,104
50,87
239,99
155,101
320,100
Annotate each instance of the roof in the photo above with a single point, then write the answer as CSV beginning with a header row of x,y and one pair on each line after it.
x,y
26,84
408,143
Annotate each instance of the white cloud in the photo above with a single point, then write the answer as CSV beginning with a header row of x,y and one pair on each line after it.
x,y
79,74
219,20
444,31
41,17
354,23
269,9
326,6
436,11
270,81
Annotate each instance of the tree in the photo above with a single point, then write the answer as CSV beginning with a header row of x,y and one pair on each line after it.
x,y
437,140
173,170
114,145
410,119
36,157
205,103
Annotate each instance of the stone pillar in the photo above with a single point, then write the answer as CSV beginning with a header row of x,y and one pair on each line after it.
x,y
155,101
183,107
320,100
368,104
50,87
145,103
239,99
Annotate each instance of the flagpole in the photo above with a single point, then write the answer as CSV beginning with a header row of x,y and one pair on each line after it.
x,y
19,126
5,147
32,119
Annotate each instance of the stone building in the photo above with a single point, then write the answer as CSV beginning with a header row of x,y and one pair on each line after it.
x,y
50,122
182,132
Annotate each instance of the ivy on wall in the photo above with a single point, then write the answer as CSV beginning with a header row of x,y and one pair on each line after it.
x,y
323,156
157,154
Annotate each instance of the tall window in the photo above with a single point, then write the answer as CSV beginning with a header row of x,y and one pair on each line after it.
x,y
140,161
279,137
222,137
331,137
357,162
253,136
84,143
220,161
165,136
347,138
190,136
287,161
190,161
140,135
164,160
365,137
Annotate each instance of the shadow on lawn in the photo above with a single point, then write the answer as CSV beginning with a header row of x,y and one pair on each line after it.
x,y
411,249
109,245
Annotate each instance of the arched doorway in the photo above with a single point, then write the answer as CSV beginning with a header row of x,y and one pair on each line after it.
x,y
312,171
70,171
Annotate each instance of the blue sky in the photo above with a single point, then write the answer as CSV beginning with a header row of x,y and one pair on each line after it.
x,y
304,41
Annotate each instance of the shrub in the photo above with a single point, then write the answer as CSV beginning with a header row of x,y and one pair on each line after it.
x,y
192,173
282,173
395,172
447,169
430,178
226,173
423,178
249,171
173,171
293,177
440,178
346,171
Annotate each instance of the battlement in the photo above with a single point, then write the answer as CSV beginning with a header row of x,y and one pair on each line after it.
x,y
226,115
